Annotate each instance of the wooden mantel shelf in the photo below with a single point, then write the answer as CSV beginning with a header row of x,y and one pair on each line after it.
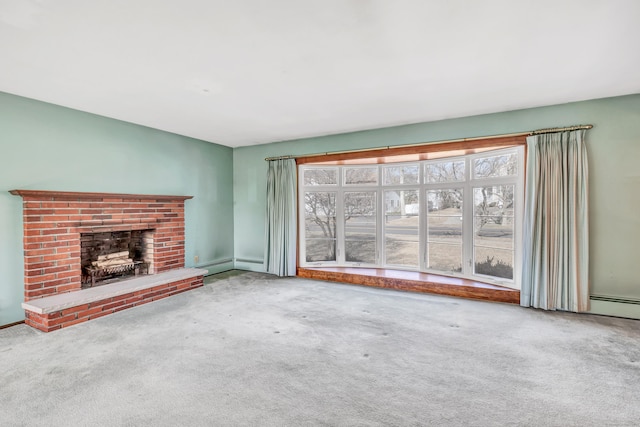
x,y
71,195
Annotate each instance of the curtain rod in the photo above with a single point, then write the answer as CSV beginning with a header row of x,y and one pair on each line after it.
x,y
419,144
555,130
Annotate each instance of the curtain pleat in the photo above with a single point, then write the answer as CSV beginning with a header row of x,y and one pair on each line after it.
x,y
280,230
555,273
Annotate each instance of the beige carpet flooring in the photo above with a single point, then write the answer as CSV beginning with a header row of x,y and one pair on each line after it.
x,y
250,349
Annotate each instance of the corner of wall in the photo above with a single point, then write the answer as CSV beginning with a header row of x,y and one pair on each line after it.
x,y
256,265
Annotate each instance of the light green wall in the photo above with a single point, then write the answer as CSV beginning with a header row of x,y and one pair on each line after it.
x,y
46,147
614,162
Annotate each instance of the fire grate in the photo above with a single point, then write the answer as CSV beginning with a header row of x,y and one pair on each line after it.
x,y
103,273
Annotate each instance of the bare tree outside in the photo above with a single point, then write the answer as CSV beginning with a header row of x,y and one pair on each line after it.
x,y
492,203
361,176
494,217
494,166
452,171
320,215
320,225
327,176
401,174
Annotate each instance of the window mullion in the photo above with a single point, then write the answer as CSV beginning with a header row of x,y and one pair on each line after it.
x,y
423,222
467,221
379,220
340,247
301,220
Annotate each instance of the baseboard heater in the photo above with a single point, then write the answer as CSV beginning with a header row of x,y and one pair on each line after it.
x,y
250,261
214,264
615,299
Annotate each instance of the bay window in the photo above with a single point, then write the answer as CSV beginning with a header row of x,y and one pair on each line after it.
x,y
457,216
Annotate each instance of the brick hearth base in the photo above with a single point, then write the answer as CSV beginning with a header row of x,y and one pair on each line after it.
x,y
63,310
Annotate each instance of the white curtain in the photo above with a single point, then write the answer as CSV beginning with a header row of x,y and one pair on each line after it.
x,y
556,224
280,234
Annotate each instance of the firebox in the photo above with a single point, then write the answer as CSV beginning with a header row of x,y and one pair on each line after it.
x,y
110,256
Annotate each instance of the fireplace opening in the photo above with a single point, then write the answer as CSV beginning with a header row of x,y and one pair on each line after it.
x,y
111,256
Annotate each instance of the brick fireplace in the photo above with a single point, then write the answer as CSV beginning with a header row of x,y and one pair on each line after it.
x,y
57,224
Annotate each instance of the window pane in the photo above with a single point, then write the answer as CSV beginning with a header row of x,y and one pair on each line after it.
x,y
444,229
320,226
401,225
504,165
444,171
360,226
493,219
445,257
494,262
401,175
449,201
320,250
361,176
327,176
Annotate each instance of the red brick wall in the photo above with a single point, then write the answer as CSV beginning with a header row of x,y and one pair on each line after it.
x,y
53,222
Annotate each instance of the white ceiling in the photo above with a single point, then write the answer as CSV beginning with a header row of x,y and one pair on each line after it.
x,y
242,72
